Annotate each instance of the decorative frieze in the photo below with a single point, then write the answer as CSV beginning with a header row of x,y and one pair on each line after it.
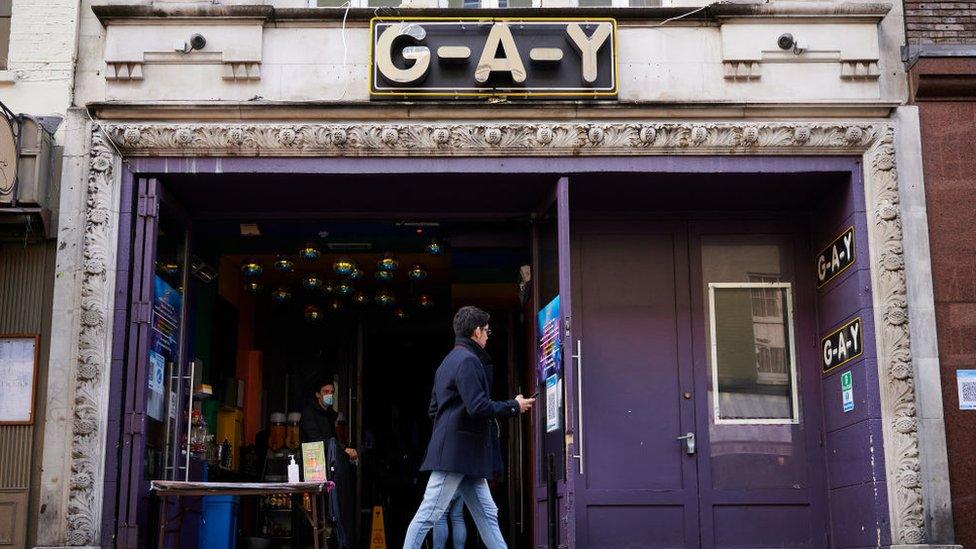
x,y
484,138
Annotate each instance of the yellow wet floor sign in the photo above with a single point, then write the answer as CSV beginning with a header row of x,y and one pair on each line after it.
x,y
377,538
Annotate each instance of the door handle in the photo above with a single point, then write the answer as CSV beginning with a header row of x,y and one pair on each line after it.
x,y
579,402
689,443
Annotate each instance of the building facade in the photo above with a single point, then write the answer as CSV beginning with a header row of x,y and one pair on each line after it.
x,y
940,55
726,200
37,62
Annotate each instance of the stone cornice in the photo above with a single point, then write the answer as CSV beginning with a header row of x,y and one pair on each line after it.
x,y
872,140
492,138
378,111
873,11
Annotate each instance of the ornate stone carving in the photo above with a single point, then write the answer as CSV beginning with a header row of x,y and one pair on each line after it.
x,y
87,443
894,349
511,138
875,141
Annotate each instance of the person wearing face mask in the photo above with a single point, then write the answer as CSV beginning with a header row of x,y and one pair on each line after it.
x,y
319,418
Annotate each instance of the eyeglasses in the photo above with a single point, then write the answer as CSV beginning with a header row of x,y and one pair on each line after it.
x,y
486,330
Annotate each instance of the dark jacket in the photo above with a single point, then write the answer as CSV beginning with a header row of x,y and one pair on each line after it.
x,y
317,424
462,409
342,498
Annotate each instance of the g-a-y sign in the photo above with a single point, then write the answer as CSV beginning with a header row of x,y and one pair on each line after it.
x,y
481,57
842,345
836,257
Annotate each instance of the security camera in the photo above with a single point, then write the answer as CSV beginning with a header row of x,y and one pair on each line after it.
x,y
197,41
786,41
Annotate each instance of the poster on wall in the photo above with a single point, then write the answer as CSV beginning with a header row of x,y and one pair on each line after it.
x,y
549,326
553,393
966,380
18,370
163,343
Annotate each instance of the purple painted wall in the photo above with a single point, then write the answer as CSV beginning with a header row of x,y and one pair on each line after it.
x,y
856,486
855,459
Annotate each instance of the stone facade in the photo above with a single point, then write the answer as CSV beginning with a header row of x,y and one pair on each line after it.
x,y
942,59
38,81
296,77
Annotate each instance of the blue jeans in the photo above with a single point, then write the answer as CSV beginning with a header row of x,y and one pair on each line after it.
x,y
458,528
441,488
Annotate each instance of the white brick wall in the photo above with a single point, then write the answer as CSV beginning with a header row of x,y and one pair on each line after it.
x,y
43,38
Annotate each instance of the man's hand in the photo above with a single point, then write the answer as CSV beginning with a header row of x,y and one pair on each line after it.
x,y
352,453
525,404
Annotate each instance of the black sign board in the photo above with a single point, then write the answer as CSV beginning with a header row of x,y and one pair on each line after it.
x,y
841,346
482,57
836,257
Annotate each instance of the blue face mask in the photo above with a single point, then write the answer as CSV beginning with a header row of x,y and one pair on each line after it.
x,y
328,400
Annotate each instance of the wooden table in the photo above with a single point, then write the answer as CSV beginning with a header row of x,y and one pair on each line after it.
x,y
166,489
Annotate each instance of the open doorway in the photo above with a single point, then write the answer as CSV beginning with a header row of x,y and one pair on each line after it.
x,y
264,306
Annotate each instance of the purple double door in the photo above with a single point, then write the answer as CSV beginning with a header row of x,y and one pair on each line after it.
x,y
698,386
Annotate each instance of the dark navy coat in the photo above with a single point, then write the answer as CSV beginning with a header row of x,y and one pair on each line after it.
x,y
462,409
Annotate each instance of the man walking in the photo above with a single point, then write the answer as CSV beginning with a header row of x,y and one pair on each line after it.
x,y
459,455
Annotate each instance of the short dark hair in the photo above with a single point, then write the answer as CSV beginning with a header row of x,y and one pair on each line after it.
x,y
322,381
468,319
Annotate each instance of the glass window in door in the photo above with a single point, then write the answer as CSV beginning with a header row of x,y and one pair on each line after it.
x,y
755,432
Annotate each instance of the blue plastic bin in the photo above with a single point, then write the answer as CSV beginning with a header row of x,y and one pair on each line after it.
x,y
218,522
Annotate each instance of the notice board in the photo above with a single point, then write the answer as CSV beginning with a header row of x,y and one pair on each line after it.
x,y
18,375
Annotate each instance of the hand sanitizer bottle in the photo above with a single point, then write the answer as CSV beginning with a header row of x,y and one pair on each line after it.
x,y
292,470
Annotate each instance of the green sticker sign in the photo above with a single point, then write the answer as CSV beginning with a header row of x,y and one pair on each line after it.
x,y
847,390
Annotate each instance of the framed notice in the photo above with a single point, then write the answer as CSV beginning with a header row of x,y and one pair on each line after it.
x,y
18,374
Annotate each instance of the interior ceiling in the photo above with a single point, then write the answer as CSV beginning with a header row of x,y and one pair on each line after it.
x,y
470,195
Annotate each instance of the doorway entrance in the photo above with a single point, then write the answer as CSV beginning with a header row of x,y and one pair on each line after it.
x,y
686,401
699,388
692,424
244,307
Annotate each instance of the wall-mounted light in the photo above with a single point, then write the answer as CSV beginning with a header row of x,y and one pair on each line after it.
x,y
344,289
384,276
254,286
434,247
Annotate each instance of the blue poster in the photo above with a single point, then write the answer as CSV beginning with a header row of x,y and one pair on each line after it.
x,y
163,343
550,355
